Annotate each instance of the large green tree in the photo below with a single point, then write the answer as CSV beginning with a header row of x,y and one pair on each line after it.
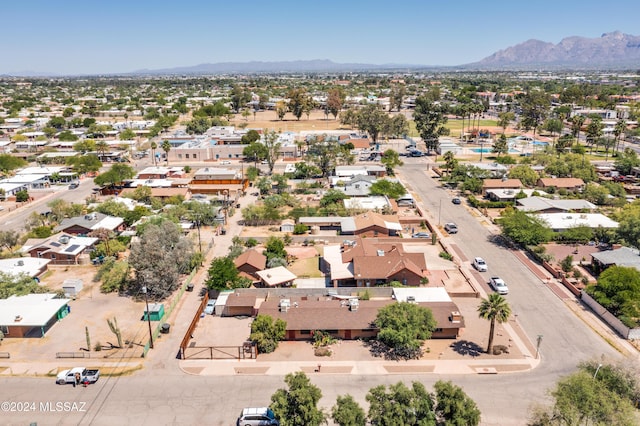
x,y
115,176
223,275
19,285
535,108
494,308
401,405
580,399
372,119
388,188
524,228
297,405
347,412
403,328
267,333
430,119
618,290
391,160
84,163
159,257
454,407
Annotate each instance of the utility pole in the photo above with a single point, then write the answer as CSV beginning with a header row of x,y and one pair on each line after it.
x,y
146,300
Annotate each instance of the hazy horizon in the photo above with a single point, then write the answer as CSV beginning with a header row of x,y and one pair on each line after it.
x,y
71,37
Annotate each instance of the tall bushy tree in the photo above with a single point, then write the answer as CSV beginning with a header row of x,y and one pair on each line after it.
x,y
297,405
454,407
267,333
404,326
347,412
401,405
159,257
430,119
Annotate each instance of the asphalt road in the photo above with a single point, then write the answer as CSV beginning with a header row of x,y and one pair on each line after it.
x,y
161,394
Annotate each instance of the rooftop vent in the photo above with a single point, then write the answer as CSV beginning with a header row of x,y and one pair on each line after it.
x,y
380,252
64,239
18,318
411,299
20,263
455,316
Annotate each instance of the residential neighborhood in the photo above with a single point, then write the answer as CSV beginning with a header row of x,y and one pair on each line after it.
x,y
342,231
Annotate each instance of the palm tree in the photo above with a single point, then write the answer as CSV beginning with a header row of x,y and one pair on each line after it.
x,y
166,147
618,130
154,145
494,308
102,147
576,125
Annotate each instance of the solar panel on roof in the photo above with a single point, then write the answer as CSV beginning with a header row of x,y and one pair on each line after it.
x,y
72,248
55,244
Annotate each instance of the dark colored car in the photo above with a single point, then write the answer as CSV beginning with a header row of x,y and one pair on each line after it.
x,y
456,201
421,235
74,185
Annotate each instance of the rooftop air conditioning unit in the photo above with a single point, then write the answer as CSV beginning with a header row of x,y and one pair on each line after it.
x,y
64,239
411,299
354,304
285,304
380,252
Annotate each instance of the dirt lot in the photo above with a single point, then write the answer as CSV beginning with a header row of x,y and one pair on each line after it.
x,y
91,309
269,120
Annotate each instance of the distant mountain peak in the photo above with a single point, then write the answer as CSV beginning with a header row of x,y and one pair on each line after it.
x,y
613,50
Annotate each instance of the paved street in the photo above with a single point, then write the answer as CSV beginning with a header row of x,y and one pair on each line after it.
x,y
163,394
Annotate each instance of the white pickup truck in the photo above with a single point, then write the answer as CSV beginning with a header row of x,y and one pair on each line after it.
x,y
69,376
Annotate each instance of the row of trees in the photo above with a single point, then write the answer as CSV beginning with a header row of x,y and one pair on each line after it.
x,y
297,405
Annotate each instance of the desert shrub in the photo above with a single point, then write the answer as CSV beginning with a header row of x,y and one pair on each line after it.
x,y
445,255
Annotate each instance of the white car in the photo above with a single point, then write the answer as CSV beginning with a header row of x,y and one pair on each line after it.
x,y
210,308
480,264
499,285
225,162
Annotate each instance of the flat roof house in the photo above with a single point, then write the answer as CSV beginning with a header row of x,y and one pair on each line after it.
x,y
31,315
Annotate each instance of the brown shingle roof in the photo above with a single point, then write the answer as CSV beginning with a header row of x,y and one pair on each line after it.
x,y
561,182
240,299
499,183
324,314
251,257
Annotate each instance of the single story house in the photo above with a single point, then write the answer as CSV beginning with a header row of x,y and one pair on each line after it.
x,y
512,184
31,315
348,318
83,225
357,186
249,263
367,263
30,266
61,248
622,256
371,224
373,202
237,304
569,184
548,205
276,277
563,221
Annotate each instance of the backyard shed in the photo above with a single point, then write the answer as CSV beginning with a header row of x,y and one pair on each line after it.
x,y
156,312
72,287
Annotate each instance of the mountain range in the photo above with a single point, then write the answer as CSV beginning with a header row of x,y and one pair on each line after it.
x,y
611,51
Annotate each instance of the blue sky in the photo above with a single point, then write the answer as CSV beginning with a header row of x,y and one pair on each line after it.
x,y
91,37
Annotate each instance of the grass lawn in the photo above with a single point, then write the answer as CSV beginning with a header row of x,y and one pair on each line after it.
x,y
306,268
